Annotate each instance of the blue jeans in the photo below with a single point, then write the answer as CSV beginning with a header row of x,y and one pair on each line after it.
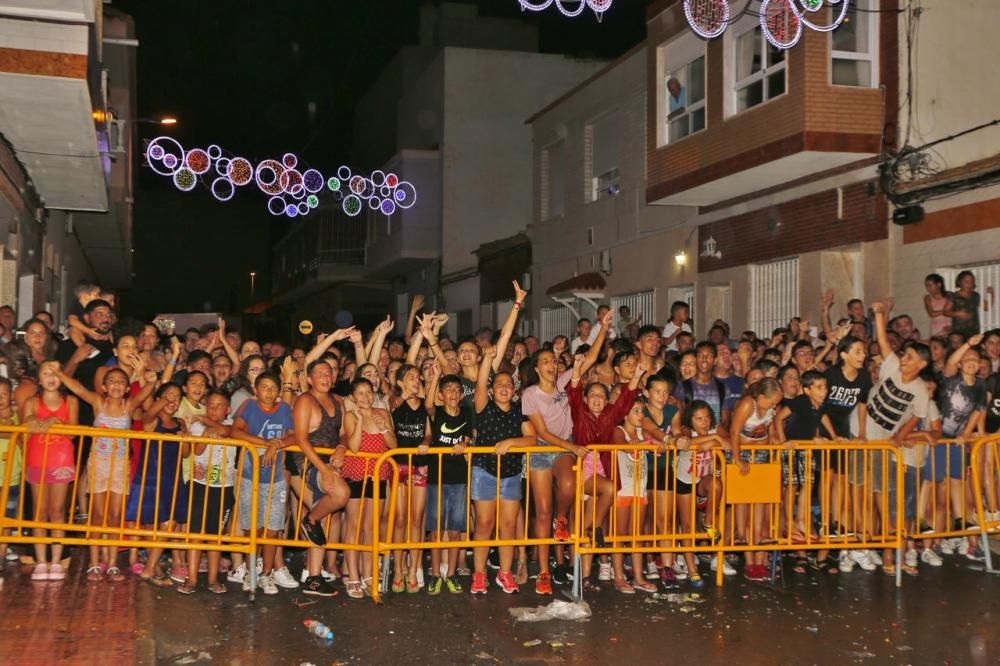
x,y
454,517
484,486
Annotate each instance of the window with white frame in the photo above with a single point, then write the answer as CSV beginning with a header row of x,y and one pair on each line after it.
x,y
554,187
684,89
605,140
759,70
556,321
852,47
774,295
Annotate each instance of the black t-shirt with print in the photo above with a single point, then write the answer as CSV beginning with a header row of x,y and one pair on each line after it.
x,y
493,426
993,406
844,396
446,432
410,425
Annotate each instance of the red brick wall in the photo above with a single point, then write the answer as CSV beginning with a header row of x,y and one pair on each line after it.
x,y
803,225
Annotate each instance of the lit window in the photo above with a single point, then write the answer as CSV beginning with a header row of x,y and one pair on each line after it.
x,y
852,47
685,99
760,70
606,137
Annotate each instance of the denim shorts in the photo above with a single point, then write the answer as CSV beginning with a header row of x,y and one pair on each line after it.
x,y
484,486
948,460
909,493
13,499
453,511
540,462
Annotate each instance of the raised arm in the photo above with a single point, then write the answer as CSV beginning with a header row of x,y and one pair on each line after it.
x,y
418,302
881,334
228,348
482,396
377,340
427,330
325,342
81,391
508,326
590,358
430,400
955,360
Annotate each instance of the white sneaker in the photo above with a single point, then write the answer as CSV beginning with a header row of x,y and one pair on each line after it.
x,y
875,557
604,571
948,546
246,583
651,569
727,569
911,559
680,568
283,578
864,559
963,546
267,584
846,561
928,556
237,575
260,566
420,577
11,556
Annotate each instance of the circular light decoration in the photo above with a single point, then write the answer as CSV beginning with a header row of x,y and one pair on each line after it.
x,y
289,160
374,203
198,161
214,152
290,181
312,180
708,18
170,161
812,5
581,4
303,208
333,183
377,178
222,166
291,210
276,205
351,205
240,171
268,173
780,23
223,189
298,193
385,191
405,195
569,8
344,173
832,26
391,180
388,207
165,155
155,153
357,184
535,6
185,180
312,200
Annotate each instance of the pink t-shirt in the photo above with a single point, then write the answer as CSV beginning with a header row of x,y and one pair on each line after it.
x,y
554,407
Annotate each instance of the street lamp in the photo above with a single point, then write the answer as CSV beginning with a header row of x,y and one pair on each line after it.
x,y
166,120
253,274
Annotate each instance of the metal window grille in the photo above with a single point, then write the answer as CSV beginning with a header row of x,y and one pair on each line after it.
x,y
556,321
987,275
640,303
774,295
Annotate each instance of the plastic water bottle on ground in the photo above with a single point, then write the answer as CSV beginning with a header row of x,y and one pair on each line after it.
x,y
319,630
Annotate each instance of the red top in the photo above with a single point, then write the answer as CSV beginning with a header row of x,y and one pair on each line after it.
x,y
590,429
356,469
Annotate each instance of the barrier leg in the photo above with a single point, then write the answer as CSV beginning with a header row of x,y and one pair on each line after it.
x,y
985,536
252,572
577,577
385,568
899,560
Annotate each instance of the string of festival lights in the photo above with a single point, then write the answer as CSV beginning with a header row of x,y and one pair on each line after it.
x,y
570,8
292,191
781,21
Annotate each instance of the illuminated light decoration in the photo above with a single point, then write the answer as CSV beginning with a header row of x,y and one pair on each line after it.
x,y
781,21
388,207
268,173
312,180
357,184
333,184
581,5
708,18
156,152
222,166
222,188
312,200
276,205
344,173
198,161
384,191
351,205
535,6
298,193
391,180
214,152
377,178
185,180
291,210
289,160
569,8
374,203
240,171
165,155
170,161
303,208
290,181
405,195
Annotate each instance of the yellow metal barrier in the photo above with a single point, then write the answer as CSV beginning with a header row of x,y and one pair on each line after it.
x,y
985,459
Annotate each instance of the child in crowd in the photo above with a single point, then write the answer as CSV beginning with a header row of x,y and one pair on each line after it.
x,y
632,472
84,293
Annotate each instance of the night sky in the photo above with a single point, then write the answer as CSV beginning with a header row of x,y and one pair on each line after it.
x,y
261,79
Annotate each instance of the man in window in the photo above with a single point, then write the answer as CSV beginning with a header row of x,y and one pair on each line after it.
x,y
677,98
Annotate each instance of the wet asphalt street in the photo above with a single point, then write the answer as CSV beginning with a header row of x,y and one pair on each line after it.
x,y
945,616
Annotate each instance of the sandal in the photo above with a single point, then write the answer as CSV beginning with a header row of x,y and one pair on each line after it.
x,y
910,571
354,590
644,586
800,565
624,587
412,585
398,585
521,578
590,586
161,581
889,569
57,572
217,588
366,586
137,568
41,572
94,574
184,588
115,575
828,565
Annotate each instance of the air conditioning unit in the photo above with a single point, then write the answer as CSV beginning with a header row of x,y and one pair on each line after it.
x,y
526,281
606,262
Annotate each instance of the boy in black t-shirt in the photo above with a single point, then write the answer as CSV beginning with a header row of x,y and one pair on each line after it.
x,y
452,427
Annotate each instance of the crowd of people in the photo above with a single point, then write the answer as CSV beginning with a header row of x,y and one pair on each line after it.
x,y
691,401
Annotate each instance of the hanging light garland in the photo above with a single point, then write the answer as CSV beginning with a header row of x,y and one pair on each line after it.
x,y
781,21
292,192
570,8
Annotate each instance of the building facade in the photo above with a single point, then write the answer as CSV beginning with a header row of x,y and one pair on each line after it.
x,y
67,84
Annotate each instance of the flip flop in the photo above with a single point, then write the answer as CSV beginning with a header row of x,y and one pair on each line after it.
x,y
217,588
184,588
